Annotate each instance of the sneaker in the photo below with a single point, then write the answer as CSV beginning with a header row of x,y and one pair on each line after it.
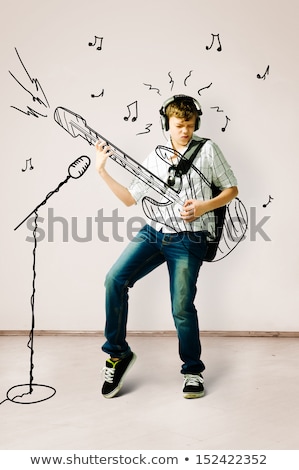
x,y
193,386
115,372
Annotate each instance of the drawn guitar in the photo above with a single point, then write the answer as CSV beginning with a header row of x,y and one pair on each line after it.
x,y
235,224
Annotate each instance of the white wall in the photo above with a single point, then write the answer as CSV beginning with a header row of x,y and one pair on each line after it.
x,y
255,287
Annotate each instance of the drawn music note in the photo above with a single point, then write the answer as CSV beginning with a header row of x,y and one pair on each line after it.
x,y
204,88
224,128
219,48
96,39
134,118
28,162
270,199
266,73
98,96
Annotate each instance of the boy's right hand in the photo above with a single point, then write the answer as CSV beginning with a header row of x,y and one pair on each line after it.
x,y
103,151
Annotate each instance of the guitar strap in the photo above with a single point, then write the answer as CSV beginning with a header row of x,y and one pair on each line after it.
x,y
186,161
183,168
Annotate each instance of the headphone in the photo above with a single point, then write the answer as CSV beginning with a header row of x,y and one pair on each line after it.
x,y
164,118
174,179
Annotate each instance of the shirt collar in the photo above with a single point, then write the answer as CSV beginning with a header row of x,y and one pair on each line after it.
x,y
194,139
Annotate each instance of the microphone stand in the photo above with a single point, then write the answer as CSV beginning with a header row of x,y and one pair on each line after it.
x,y
23,393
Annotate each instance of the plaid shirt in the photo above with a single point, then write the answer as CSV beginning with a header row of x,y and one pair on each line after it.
x,y
212,167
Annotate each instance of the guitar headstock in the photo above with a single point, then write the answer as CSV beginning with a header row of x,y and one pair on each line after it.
x,y
70,121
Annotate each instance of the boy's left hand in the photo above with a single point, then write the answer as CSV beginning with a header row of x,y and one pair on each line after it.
x,y
192,209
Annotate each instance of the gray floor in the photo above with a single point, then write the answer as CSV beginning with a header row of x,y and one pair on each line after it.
x,y
251,401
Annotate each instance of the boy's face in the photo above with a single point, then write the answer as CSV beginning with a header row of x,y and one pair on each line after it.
x,y
181,131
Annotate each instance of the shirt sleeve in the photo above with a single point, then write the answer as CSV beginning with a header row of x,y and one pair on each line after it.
x,y
222,174
137,187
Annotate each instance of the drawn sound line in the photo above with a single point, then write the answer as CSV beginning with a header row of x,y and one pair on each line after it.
x,y
147,129
152,88
171,80
219,48
38,94
188,76
266,73
204,88
217,108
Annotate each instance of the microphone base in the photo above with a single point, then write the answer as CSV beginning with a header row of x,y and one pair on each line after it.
x,y
27,394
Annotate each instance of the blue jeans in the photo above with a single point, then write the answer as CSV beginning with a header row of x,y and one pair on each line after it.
x,y
183,253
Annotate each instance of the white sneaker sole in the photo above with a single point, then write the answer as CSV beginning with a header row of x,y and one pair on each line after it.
x,y
194,394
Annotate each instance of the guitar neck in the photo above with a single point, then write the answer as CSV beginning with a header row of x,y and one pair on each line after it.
x,y
128,163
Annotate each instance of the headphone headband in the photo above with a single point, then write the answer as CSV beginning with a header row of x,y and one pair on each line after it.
x,y
164,118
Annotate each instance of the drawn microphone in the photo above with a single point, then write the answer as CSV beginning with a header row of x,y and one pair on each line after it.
x,y
75,170
79,167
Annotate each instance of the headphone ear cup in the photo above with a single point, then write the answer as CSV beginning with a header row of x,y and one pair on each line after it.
x,y
164,120
198,121
166,123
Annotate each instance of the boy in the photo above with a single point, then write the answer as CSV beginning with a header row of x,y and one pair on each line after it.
x,y
171,243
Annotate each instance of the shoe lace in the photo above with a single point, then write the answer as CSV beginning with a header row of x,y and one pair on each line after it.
x,y
108,373
191,379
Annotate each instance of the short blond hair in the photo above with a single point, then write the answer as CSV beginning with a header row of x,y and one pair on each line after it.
x,y
182,108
